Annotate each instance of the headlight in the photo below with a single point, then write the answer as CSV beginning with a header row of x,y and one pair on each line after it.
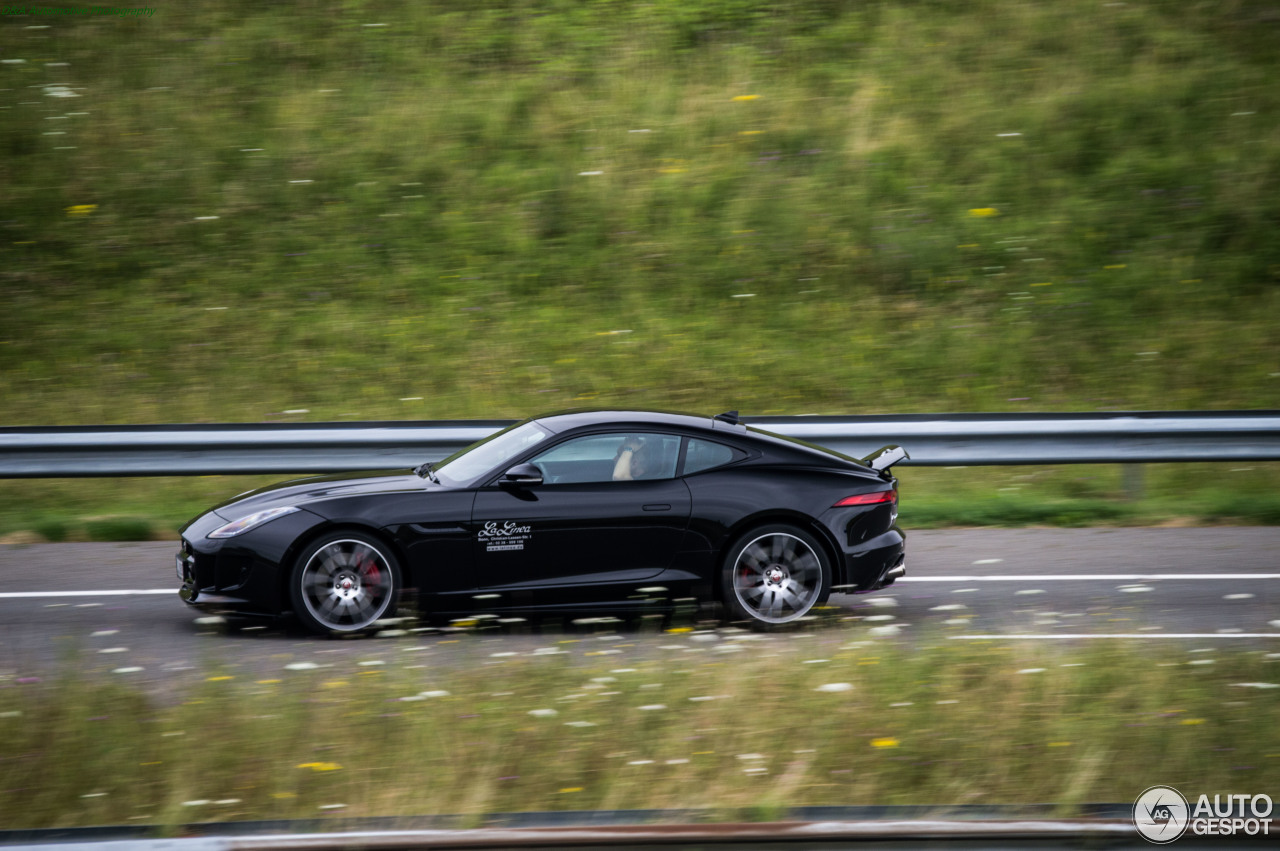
x,y
244,524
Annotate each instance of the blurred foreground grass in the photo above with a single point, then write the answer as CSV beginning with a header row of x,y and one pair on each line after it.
x,y
756,724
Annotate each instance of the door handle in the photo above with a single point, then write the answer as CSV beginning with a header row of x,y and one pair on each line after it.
x,y
657,506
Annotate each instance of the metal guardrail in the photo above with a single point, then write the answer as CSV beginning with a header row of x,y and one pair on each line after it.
x,y
932,440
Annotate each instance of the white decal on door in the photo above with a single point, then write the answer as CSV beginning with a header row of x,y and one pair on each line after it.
x,y
504,536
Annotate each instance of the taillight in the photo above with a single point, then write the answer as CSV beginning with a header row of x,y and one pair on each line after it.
x,y
876,498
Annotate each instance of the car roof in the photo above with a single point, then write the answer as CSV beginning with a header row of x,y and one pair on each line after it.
x,y
780,446
562,421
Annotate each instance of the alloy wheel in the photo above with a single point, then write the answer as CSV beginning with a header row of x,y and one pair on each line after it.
x,y
777,577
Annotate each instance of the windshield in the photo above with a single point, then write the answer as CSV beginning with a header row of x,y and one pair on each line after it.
x,y
465,467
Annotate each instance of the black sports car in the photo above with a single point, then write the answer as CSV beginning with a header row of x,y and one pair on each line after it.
x,y
573,513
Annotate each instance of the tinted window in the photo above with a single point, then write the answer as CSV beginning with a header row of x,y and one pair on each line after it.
x,y
703,455
610,457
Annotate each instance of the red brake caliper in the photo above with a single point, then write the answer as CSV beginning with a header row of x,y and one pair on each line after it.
x,y
372,576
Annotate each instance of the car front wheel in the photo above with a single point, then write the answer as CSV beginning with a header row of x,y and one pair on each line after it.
x,y
774,575
344,582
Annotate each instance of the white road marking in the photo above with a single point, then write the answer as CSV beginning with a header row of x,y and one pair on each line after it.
x,y
15,595
1088,577
1026,637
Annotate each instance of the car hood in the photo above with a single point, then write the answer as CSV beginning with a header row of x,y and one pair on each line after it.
x,y
304,492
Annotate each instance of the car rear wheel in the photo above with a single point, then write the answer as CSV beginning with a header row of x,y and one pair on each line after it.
x,y
343,583
774,575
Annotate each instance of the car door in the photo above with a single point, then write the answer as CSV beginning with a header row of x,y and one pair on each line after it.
x,y
581,534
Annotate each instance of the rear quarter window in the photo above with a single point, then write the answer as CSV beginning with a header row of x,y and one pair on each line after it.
x,y
705,455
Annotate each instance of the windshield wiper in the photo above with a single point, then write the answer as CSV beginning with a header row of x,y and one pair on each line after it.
x,y
428,469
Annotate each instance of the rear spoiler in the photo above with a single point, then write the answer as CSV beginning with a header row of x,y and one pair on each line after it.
x,y
884,458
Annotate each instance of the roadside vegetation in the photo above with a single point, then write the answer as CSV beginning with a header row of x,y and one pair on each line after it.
x,y
245,212
746,728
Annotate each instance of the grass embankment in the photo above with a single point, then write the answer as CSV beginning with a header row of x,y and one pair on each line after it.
x,y
242,212
755,725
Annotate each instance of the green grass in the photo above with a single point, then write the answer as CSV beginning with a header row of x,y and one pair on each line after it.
x,y
111,509
1090,495
751,730
408,211
420,210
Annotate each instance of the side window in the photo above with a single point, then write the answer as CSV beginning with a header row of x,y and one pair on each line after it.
x,y
703,455
610,457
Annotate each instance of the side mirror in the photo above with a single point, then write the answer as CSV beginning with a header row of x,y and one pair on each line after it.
x,y
521,475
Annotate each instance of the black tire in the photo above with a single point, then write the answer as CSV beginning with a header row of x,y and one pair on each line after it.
x,y
774,575
344,582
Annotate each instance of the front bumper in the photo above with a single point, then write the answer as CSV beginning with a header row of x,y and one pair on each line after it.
x,y
226,582
244,574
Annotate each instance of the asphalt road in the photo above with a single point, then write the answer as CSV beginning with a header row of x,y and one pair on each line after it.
x,y
113,609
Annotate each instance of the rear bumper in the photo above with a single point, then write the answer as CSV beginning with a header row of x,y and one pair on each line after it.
x,y
890,576
872,565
